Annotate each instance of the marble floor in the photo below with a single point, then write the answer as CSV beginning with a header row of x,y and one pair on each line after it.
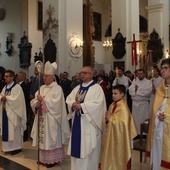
x,y
28,160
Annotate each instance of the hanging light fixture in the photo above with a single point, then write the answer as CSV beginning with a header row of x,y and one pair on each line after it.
x,y
107,44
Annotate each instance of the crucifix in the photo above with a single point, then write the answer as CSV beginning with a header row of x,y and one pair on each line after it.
x,y
134,51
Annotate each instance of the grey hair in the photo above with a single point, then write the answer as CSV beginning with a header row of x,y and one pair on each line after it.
x,y
91,69
23,73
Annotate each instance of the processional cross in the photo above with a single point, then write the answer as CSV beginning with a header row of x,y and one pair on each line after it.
x,y
134,51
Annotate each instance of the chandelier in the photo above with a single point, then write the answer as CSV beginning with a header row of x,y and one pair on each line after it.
x,y
107,44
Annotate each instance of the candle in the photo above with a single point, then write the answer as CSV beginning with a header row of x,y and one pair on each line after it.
x,y
117,72
166,92
117,75
152,74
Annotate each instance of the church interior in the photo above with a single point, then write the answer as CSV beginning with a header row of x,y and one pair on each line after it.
x,y
75,33
84,32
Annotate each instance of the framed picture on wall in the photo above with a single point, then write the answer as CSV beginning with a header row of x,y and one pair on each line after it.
x,y
40,15
119,64
97,19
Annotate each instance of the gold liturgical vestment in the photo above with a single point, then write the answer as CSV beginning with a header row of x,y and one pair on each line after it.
x,y
159,97
116,144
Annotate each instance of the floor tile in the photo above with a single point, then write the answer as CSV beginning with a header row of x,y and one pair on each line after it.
x,y
28,158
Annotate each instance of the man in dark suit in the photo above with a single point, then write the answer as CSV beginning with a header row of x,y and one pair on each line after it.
x,y
35,84
66,85
2,82
21,77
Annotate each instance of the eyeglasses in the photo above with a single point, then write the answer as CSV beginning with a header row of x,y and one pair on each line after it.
x,y
164,68
6,76
85,72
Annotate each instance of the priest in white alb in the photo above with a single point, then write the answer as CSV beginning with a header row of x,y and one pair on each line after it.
x,y
13,114
87,108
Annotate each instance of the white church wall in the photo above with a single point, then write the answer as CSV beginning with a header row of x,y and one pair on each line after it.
x,y
16,22
69,15
11,24
50,24
74,26
70,21
98,7
125,15
62,45
154,2
132,28
119,14
142,10
34,35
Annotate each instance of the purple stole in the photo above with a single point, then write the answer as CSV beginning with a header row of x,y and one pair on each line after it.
x,y
76,128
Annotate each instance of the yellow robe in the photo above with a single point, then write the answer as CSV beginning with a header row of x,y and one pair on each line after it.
x,y
116,145
159,97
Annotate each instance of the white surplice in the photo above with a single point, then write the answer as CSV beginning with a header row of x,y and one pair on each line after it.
x,y
54,127
94,108
140,100
121,80
16,113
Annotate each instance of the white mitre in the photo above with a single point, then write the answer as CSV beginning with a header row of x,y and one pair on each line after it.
x,y
50,68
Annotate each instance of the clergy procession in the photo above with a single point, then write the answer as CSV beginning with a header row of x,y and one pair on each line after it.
x,y
97,133
85,84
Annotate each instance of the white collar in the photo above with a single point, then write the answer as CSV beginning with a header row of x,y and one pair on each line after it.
x,y
9,85
86,84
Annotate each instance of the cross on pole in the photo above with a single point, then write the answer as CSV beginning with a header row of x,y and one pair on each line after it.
x,y
134,51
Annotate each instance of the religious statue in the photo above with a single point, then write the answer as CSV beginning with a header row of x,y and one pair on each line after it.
x,y
119,45
155,44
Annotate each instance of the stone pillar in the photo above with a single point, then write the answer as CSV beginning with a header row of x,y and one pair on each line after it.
x,y
70,23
